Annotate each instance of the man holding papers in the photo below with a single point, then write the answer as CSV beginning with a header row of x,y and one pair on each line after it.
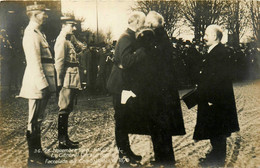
x,y
127,55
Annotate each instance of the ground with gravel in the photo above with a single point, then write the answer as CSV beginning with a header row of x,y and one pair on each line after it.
x,y
92,124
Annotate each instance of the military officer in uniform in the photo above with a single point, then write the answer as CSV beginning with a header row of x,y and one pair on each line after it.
x,y
38,80
68,79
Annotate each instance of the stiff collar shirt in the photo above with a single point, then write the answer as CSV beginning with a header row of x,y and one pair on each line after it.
x,y
212,46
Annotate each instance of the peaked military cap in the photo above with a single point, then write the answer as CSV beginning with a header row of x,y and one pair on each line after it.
x,y
68,20
36,7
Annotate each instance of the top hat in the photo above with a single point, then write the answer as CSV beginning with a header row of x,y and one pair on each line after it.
x,y
35,7
68,20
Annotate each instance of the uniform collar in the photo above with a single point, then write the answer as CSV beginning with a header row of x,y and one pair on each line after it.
x,y
34,25
63,33
36,28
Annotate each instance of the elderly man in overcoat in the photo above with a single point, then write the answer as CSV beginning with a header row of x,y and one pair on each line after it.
x,y
127,55
38,80
217,115
155,85
68,79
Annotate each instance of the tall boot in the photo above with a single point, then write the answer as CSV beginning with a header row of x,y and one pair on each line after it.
x,y
64,142
33,148
68,139
36,154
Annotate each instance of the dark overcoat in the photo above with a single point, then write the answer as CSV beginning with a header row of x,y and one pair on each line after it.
x,y
126,55
157,105
217,114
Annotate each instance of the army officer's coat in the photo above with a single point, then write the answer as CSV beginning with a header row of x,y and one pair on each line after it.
x,y
39,71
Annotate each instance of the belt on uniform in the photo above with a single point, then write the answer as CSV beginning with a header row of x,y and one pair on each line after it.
x,y
47,60
70,64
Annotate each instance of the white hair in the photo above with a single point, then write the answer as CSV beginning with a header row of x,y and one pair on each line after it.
x,y
136,15
217,29
154,19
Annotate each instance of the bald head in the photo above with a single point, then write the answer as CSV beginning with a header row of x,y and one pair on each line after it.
x,y
213,35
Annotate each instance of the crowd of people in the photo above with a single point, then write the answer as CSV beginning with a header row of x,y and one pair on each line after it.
x,y
98,61
143,74
244,59
12,62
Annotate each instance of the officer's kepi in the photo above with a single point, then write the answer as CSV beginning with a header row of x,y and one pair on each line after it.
x,y
68,20
36,7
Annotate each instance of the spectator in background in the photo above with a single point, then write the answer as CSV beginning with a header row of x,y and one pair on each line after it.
x,y
104,68
101,75
109,61
93,69
7,55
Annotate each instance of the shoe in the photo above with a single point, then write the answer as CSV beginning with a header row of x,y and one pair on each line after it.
x,y
72,142
212,159
36,154
40,159
65,144
125,161
133,156
163,164
129,156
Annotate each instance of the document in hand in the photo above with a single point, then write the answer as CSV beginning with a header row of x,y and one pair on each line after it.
x,y
125,95
191,98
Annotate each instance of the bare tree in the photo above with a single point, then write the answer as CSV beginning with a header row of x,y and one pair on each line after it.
x,y
200,14
81,19
237,20
168,9
86,36
69,14
100,38
109,35
254,7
